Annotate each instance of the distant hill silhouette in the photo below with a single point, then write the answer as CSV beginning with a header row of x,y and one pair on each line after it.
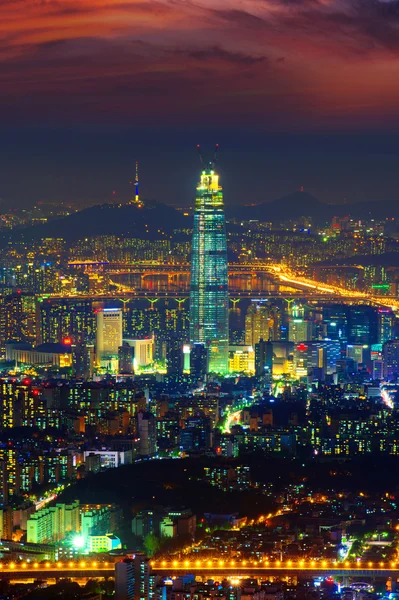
x,y
292,206
129,220
110,219
301,204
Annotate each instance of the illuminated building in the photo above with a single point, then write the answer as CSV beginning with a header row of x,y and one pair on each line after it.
x,y
55,354
386,320
124,579
209,308
52,524
316,358
132,578
390,353
109,336
335,321
143,352
60,318
104,543
98,519
362,325
241,359
174,357
299,330
261,321
357,352
83,356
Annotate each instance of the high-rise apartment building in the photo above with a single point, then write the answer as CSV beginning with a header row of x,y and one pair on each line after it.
x,y
109,334
209,308
390,354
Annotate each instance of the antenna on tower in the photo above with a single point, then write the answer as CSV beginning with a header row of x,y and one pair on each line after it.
x,y
215,155
200,154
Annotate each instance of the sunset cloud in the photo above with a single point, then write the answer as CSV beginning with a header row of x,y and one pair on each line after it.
x,y
308,62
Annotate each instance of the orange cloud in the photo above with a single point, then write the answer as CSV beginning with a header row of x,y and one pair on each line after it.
x,y
280,62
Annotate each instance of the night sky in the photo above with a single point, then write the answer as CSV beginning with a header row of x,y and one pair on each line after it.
x,y
296,92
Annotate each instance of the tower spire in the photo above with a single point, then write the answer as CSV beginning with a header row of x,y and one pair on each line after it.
x,y
136,183
136,198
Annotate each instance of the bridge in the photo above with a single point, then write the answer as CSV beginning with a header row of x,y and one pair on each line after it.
x,y
247,568
18,571
283,282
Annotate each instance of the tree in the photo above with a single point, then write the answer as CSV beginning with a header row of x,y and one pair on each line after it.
x,y
151,544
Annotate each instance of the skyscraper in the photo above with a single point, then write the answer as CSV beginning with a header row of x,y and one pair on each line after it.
x,y
209,315
109,334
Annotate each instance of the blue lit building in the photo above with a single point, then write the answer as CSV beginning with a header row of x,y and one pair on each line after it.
x,y
209,315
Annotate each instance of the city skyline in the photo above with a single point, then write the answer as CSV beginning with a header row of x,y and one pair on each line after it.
x,y
199,359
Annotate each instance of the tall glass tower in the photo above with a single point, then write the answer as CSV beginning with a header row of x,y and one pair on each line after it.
x,y
209,301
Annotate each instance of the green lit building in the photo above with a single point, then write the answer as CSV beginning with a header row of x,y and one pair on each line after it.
x,y
209,316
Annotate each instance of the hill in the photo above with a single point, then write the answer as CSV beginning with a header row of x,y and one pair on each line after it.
x,y
109,219
301,204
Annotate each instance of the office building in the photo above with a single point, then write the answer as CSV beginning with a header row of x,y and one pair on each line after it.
x,y
174,356
143,352
109,336
209,308
390,355
124,579
263,359
126,359
299,330
198,361
386,320
147,430
362,325
262,321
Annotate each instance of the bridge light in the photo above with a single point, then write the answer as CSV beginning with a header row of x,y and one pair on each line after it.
x,y
278,563
12,565
174,563
94,564
289,563
324,563
24,565
59,564
82,564
163,563
70,564
106,564
1,565
370,564
35,565
301,562
381,564
244,562
186,563
393,565
47,565
198,562
346,564
209,563
232,562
